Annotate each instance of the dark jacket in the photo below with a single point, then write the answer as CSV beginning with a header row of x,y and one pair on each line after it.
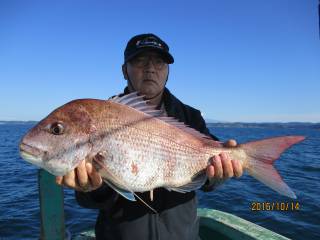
x,y
176,216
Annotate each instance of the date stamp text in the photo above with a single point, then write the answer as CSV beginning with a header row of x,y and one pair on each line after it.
x,y
275,206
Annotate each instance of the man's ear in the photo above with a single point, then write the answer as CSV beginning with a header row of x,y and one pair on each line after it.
x,y
124,71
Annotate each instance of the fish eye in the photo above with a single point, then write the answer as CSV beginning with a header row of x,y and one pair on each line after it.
x,y
57,128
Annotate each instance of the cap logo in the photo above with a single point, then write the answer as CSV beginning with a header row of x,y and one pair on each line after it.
x,y
148,42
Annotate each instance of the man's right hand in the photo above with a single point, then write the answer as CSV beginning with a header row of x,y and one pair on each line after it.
x,y
83,178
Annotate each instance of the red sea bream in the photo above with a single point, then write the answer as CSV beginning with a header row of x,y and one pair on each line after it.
x,y
143,149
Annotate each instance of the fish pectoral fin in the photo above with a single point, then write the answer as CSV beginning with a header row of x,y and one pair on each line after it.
x,y
126,194
197,182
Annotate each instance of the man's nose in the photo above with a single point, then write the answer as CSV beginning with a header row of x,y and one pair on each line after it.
x,y
150,66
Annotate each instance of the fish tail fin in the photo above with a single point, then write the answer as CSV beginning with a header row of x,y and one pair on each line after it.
x,y
261,156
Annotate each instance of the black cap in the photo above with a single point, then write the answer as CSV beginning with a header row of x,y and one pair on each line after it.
x,y
148,41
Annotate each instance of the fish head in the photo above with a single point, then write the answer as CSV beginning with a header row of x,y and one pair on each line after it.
x,y
59,142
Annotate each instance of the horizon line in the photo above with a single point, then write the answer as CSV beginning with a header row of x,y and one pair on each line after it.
x,y
206,121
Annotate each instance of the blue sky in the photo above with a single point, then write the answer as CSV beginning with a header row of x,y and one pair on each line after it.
x,y
234,60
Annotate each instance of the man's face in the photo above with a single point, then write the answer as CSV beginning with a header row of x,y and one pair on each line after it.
x,y
148,73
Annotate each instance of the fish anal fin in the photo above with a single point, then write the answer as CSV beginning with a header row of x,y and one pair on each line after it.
x,y
197,182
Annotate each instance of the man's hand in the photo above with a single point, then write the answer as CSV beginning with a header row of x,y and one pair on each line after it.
x,y
84,178
222,167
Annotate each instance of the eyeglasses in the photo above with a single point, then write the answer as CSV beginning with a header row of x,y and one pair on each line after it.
x,y
143,61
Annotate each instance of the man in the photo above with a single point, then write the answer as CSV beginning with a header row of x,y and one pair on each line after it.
x,y
146,69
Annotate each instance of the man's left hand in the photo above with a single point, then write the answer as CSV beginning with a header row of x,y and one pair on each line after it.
x,y
222,167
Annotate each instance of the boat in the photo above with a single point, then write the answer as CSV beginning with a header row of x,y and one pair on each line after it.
x,y
220,225
214,224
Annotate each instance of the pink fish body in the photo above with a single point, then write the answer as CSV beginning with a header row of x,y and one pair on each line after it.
x,y
143,149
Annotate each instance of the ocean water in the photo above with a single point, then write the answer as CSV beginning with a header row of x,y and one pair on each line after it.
x,y
299,166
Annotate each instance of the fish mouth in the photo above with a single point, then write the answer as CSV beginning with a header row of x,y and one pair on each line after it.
x,y
31,154
41,159
30,150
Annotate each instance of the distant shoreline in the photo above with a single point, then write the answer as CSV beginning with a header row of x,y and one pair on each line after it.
x,y
265,124
17,122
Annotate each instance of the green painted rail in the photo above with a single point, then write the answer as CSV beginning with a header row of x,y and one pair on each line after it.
x,y
214,224
51,207
225,226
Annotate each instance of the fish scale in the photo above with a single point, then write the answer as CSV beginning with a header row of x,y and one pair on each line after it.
x,y
150,137
130,152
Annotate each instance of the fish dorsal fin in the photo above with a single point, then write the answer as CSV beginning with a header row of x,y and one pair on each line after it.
x,y
137,102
